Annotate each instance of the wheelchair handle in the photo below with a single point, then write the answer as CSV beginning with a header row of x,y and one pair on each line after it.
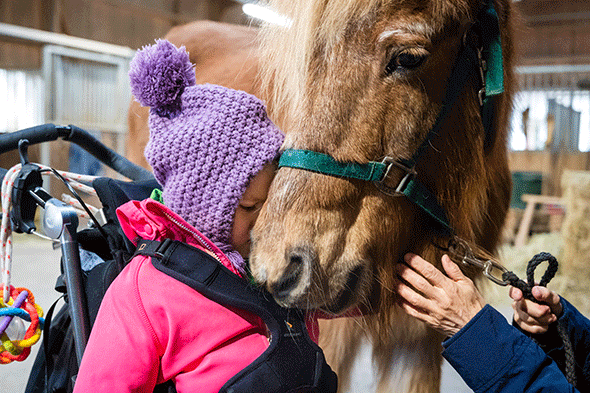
x,y
51,132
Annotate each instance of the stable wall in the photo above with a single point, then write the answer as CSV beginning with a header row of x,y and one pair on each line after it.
x,y
551,167
128,23
132,23
553,32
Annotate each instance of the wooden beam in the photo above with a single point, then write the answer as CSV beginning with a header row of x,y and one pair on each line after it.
x,y
46,37
169,15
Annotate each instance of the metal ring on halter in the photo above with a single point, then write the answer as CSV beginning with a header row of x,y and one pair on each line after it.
x,y
403,183
490,265
461,250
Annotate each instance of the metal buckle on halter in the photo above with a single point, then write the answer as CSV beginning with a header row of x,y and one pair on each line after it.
x,y
410,172
483,66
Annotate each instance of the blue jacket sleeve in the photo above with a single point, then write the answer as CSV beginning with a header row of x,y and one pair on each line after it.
x,y
493,356
577,328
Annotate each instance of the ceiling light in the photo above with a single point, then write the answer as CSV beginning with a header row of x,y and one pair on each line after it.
x,y
265,14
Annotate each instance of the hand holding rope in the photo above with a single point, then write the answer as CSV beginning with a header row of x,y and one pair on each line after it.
x,y
461,252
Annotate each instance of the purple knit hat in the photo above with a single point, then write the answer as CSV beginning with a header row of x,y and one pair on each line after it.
x,y
206,141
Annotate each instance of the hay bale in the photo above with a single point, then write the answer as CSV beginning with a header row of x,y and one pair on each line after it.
x,y
571,286
576,225
571,247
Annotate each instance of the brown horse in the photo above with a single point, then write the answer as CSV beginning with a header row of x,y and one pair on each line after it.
x,y
357,81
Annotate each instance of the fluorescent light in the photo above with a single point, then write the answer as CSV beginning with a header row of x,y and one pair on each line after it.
x,y
265,14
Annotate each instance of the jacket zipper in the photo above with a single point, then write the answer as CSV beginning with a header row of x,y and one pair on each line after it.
x,y
196,235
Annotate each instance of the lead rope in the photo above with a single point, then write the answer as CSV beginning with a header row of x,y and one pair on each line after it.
x,y
526,288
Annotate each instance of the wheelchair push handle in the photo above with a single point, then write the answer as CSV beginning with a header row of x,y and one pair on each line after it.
x,y
51,132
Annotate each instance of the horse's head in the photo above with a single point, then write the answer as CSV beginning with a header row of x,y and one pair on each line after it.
x,y
359,81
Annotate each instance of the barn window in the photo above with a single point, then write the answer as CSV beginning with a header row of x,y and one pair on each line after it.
x,y
22,101
552,109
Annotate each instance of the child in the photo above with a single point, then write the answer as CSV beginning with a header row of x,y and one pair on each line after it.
x,y
213,150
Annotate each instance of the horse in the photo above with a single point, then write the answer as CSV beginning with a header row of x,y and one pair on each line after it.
x,y
360,86
359,81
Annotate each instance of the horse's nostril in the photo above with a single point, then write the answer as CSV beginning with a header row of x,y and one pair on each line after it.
x,y
282,288
297,260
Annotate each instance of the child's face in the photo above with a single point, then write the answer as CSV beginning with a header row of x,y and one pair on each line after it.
x,y
249,207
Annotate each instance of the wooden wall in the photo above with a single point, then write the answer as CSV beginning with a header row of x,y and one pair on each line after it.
x,y
132,23
553,32
551,166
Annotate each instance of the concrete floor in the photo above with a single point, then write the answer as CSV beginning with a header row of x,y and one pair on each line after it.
x,y
36,266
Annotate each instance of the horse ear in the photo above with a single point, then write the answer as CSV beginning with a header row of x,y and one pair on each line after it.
x,y
159,74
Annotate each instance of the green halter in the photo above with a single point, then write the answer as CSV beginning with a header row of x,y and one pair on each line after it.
x,y
485,56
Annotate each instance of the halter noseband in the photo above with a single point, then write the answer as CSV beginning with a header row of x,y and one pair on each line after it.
x,y
482,49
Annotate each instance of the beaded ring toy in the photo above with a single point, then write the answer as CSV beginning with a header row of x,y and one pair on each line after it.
x,y
21,306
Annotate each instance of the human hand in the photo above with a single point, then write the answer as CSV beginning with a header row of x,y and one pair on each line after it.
x,y
533,317
444,303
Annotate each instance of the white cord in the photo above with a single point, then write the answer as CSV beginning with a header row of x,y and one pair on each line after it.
x,y
6,230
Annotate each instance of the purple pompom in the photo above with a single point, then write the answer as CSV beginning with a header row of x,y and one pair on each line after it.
x,y
159,74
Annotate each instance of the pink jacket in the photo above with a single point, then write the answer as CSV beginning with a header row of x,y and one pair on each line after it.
x,y
152,328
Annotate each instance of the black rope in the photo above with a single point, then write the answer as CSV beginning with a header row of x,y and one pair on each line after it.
x,y
526,288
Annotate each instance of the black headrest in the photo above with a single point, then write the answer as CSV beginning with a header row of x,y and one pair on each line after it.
x,y
113,193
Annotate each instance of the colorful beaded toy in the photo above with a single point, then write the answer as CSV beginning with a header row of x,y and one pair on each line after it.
x,y
21,305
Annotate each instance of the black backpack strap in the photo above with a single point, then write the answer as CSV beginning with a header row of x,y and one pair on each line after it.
x,y
292,362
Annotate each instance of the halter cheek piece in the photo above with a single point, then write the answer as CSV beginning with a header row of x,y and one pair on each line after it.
x,y
481,51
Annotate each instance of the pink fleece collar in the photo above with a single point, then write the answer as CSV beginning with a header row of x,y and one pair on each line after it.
x,y
151,220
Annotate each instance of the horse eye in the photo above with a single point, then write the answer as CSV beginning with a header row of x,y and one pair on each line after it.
x,y
405,61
